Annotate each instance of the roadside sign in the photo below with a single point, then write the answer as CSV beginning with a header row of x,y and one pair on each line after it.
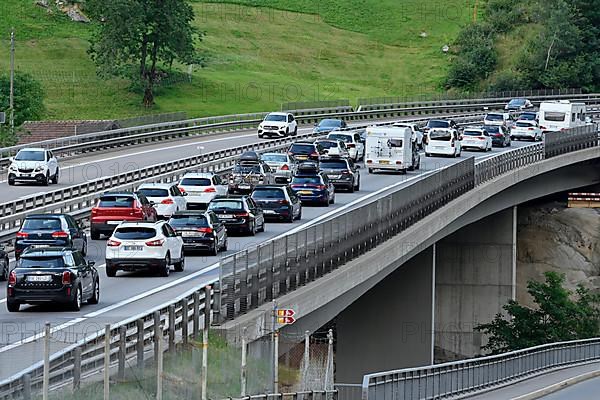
x,y
286,320
285,312
285,316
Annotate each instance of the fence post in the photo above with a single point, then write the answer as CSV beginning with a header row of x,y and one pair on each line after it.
x,y
77,368
159,368
107,362
26,387
46,379
205,344
329,367
158,332
140,344
306,361
243,368
196,328
276,362
122,351
184,320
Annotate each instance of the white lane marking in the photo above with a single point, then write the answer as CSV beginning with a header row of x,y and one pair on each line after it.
x,y
41,334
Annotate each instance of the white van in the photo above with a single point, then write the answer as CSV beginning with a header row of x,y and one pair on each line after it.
x,y
560,115
443,142
391,148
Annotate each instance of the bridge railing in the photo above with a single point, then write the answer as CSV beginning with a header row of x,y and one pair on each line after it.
x,y
469,377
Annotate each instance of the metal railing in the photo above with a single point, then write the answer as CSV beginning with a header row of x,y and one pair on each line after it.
x,y
306,395
477,374
271,269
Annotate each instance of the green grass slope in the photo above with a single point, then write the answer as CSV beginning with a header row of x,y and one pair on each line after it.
x,y
257,57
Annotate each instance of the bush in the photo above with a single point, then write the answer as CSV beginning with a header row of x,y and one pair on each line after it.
x,y
507,81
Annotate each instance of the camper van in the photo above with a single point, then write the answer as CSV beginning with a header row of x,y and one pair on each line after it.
x,y
560,115
391,148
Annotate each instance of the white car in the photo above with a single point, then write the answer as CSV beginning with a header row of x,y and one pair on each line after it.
x,y
33,165
476,138
528,130
442,142
283,165
416,131
354,143
279,124
167,198
201,188
150,246
497,118
334,147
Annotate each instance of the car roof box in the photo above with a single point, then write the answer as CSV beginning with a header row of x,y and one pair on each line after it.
x,y
250,156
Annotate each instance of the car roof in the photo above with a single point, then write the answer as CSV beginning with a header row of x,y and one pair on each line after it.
x,y
191,212
118,194
45,216
156,185
33,149
278,113
305,141
50,250
271,186
140,223
231,197
198,175
273,154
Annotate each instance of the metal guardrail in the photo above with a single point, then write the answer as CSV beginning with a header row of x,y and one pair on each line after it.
x,y
467,377
307,395
252,277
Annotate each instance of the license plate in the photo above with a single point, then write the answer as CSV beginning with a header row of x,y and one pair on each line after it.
x,y
188,234
39,278
334,176
305,192
244,186
113,222
226,216
133,248
268,211
384,162
302,157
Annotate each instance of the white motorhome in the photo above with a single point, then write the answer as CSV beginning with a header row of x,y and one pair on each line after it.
x,y
560,115
391,148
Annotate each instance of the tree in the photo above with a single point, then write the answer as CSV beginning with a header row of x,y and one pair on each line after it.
x,y
557,317
28,103
136,37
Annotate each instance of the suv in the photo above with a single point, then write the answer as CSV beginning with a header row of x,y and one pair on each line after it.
x,y
278,202
500,135
354,143
115,207
314,188
306,150
201,188
167,198
441,123
239,213
476,138
278,124
151,246
33,165
343,173
334,146
52,274
329,125
200,230
249,172
283,165
497,118
56,230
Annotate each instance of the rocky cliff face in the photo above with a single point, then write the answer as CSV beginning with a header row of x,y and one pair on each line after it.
x,y
551,237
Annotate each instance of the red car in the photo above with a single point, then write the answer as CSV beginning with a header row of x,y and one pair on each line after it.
x,y
114,208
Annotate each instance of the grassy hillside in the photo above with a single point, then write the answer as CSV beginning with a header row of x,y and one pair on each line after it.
x,y
258,57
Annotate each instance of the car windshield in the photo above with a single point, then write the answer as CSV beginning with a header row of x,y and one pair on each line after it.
x,y
225,204
135,233
333,164
116,201
437,124
554,116
330,123
274,157
527,116
316,180
268,193
195,182
440,135
188,220
302,148
493,129
246,169
524,124
343,138
41,262
41,224
494,117
275,117
516,102
149,192
30,155
327,144
472,133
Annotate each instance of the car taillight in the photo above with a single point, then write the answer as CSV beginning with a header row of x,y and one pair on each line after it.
x,y
480,138
205,230
315,154
529,129
243,214
22,235
94,211
542,127
346,173
60,234
113,243
321,187
284,202
155,243
369,161
285,167
210,190
452,144
498,135
167,201
350,145
399,162
12,278
66,278
182,190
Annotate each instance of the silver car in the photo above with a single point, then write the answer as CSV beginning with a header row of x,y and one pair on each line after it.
x,y
283,166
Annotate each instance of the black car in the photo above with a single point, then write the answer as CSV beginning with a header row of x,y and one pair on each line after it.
x,y
58,230
4,264
342,172
305,150
278,202
328,125
500,135
200,231
441,123
52,275
314,188
239,213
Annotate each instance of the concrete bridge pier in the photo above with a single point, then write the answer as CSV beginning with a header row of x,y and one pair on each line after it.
x,y
475,277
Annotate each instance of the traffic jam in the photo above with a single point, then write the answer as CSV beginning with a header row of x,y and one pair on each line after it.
x,y
154,228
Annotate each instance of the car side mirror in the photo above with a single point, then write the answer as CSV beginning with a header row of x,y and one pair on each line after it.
x,y
357,167
185,194
152,203
91,263
177,233
11,159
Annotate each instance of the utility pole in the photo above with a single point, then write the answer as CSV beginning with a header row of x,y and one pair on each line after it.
x,y
12,82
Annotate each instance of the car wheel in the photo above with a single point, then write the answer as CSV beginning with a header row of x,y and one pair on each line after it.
x,y
46,179
95,299
299,217
252,228
5,271
167,267
180,266
418,166
295,131
111,272
11,181
13,306
332,199
262,226
84,248
427,155
225,244
76,302
370,170
55,177
351,188
357,187
95,234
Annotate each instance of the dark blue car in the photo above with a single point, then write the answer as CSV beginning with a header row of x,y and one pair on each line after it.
x,y
315,188
329,125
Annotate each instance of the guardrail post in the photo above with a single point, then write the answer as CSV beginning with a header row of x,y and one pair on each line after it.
x,y
207,308
244,284
26,387
46,377
139,345
171,328
122,351
196,315
106,370
184,320
76,368
158,332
